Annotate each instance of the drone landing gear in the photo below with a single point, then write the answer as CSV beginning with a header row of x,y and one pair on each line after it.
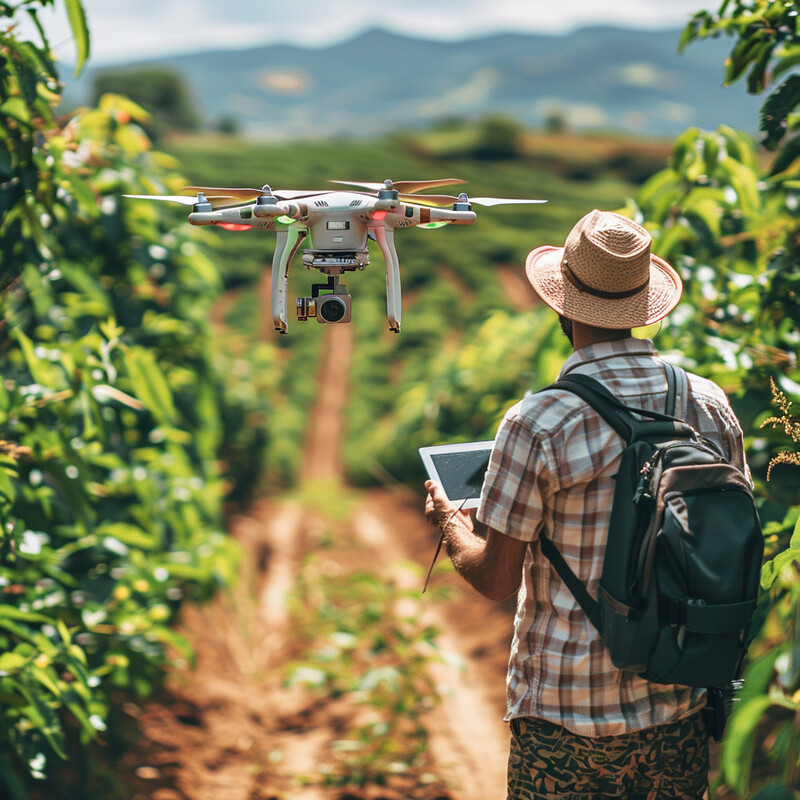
x,y
385,239
286,244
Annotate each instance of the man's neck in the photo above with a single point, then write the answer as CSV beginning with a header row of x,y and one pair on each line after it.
x,y
585,335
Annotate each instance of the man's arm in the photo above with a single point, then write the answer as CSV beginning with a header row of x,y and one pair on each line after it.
x,y
493,566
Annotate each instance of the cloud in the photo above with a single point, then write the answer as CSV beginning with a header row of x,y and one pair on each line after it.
x,y
125,31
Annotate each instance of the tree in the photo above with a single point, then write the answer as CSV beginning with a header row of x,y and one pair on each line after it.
x,y
112,413
497,138
162,92
732,227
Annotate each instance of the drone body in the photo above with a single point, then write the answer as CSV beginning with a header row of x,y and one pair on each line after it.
x,y
335,226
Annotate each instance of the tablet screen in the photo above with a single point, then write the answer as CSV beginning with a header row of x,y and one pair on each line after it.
x,y
459,469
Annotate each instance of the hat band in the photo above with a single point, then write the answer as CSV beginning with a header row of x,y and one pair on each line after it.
x,y
582,287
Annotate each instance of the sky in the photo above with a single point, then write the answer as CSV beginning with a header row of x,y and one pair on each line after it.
x,y
123,31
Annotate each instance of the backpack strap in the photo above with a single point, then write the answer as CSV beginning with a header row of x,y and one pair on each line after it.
x,y
677,394
589,605
621,418
619,415
672,389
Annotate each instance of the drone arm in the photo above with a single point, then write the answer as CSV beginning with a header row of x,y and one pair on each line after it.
x,y
447,215
286,244
282,209
385,238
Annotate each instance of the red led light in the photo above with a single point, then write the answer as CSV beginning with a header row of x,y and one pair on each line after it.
x,y
379,215
234,226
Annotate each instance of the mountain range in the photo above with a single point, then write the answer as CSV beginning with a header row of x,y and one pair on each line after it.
x,y
595,78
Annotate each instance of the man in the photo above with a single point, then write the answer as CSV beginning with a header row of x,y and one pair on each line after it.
x,y
580,727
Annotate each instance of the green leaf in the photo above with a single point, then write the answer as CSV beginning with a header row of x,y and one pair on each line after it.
x,y
743,53
11,612
12,662
777,108
737,749
772,569
16,108
150,384
787,58
745,183
787,156
80,32
756,79
131,535
42,716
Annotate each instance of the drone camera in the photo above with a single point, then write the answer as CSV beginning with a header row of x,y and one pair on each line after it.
x,y
332,307
327,308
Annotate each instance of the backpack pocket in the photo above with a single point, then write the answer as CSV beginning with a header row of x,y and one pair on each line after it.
x,y
706,552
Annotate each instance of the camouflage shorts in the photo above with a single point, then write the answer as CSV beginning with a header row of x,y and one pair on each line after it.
x,y
668,762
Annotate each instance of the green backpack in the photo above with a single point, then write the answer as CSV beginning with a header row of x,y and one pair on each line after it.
x,y
681,568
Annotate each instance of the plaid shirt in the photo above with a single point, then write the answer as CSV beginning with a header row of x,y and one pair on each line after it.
x,y
551,469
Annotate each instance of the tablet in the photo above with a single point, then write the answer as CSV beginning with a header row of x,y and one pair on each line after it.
x,y
459,469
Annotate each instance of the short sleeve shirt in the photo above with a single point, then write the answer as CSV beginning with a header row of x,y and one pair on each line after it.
x,y
551,469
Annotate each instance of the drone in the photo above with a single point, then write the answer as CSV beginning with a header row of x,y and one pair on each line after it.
x,y
336,224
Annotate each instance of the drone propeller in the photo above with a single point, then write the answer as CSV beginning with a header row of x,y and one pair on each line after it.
x,y
441,200
166,198
247,195
406,187
216,200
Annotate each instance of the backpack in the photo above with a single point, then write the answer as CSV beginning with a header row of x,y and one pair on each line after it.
x,y
681,568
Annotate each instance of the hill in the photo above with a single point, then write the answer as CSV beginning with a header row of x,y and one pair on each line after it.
x,y
598,78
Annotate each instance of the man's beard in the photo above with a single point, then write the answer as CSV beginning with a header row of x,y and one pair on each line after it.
x,y
566,327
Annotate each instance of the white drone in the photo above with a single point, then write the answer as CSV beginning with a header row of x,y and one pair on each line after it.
x,y
337,225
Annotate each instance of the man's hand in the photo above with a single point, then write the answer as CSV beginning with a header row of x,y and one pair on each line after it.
x,y
439,510
493,566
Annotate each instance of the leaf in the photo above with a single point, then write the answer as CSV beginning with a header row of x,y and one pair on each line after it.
x,y
772,569
11,612
745,183
42,716
128,534
787,155
16,108
150,384
787,58
756,79
743,53
12,662
776,109
80,32
737,752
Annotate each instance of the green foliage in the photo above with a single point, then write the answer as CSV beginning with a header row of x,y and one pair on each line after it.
x,y
766,47
730,226
467,387
112,413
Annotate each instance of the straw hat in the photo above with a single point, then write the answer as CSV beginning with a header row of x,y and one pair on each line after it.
x,y
605,275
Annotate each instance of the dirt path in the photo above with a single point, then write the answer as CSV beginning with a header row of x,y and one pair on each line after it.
x,y
230,729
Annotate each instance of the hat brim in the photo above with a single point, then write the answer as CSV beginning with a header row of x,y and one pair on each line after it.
x,y
654,302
